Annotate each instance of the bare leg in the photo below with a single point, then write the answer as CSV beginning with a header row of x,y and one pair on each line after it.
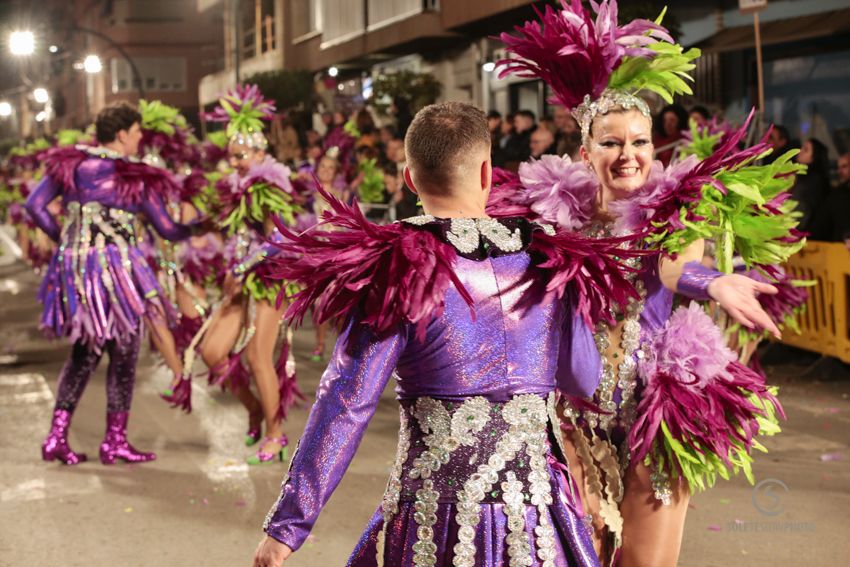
x,y
163,340
652,532
185,301
261,360
216,346
222,334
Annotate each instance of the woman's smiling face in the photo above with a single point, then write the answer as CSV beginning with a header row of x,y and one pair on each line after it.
x,y
620,151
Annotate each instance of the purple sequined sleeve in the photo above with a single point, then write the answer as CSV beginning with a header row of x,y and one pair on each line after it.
x,y
36,206
346,400
157,214
695,280
268,250
579,364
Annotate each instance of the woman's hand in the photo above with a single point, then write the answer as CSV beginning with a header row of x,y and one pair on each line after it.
x,y
737,295
271,553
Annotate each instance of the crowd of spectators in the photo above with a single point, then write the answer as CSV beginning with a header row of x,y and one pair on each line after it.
x,y
519,136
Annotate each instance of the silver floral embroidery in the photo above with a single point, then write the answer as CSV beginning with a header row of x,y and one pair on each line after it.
x,y
527,417
425,550
547,228
420,220
469,419
464,235
389,506
519,548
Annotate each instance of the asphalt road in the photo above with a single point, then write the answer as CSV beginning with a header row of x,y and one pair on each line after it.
x,y
199,504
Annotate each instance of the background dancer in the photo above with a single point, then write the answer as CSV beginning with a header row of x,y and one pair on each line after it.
x,y
98,289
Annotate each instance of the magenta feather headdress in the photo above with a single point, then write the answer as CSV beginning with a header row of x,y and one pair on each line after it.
x,y
596,65
244,109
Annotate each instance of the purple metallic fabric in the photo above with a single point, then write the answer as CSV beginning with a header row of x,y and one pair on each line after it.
x,y
695,281
505,351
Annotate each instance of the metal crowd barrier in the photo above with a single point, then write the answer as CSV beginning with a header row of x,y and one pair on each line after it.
x,y
824,325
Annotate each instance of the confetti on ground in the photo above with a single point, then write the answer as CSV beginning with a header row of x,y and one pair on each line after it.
x,y
725,501
739,522
833,410
830,457
239,503
191,501
826,477
128,509
205,501
715,528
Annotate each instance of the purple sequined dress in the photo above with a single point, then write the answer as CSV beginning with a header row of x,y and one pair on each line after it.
x,y
98,286
478,478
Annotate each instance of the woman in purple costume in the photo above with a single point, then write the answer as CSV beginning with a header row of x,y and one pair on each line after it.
x,y
98,289
674,409
469,314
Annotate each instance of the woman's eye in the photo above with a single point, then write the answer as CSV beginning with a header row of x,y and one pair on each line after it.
x,y
609,144
641,142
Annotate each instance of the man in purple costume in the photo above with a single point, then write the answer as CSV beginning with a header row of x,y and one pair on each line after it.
x,y
98,289
479,477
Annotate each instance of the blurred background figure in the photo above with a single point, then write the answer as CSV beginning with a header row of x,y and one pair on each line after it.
x,y
811,190
667,130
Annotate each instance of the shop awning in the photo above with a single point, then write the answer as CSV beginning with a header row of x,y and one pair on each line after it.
x,y
835,22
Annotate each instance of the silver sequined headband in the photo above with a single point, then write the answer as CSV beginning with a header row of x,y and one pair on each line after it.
x,y
253,139
608,101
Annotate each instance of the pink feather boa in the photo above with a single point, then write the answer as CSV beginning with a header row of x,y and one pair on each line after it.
x,y
694,383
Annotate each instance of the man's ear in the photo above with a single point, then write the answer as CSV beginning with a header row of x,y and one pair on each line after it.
x,y
486,174
408,180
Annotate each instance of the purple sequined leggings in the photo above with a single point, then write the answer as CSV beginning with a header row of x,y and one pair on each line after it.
x,y
120,376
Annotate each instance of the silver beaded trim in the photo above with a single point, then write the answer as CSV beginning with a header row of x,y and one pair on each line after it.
x,y
466,234
392,495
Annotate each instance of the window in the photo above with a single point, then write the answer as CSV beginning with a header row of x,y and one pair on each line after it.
x,y
306,17
158,74
258,27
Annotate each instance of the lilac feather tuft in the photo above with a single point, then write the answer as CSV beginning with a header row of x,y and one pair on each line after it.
x,y
560,191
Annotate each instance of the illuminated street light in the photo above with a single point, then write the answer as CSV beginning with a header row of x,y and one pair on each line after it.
x,y
22,43
5,109
53,49
41,116
92,64
489,67
40,95
333,71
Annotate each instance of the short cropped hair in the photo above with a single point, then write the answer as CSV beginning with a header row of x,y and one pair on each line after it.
x,y
440,138
113,119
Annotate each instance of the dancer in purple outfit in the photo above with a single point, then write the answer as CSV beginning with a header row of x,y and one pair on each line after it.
x,y
470,315
675,409
98,289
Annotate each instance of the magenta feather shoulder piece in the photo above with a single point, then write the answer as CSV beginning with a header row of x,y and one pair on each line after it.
x,y
392,274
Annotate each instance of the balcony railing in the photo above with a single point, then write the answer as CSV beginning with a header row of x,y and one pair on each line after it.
x,y
386,12
343,20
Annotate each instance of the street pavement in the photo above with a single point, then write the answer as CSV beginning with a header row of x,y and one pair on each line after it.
x,y
199,504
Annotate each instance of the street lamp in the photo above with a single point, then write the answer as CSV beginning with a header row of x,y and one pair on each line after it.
x,y
489,67
41,116
5,109
92,64
333,71
41,95
22,43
